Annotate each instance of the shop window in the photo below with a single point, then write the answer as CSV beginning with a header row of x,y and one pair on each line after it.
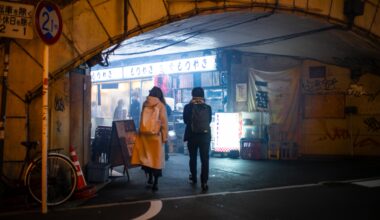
x,y
186,95
214,97
110,86
197,79
207,79
145,87
216,78
163,82
174,82
186,81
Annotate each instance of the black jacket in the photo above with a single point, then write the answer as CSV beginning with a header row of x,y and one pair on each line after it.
x,y
189,135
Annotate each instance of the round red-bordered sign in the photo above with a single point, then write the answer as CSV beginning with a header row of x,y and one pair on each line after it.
x,y
48,21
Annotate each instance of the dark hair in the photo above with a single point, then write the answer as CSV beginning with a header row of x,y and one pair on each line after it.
x,y
198,92
157,92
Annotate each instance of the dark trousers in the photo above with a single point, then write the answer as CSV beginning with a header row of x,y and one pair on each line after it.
x,y
204,149
166,151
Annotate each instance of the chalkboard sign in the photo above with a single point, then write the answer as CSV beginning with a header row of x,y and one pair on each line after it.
x,y
123,137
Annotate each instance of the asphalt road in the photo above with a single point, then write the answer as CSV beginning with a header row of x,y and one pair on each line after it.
x,y
239,189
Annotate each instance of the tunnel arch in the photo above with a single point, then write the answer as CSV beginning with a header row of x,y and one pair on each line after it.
x,y
90,27
142,16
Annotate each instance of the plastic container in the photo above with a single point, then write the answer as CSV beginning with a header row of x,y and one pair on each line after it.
x,y
97,172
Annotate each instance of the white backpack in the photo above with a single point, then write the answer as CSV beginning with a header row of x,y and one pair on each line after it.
x,y
150,122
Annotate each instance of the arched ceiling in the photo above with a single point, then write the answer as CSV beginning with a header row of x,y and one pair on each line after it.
x,y
271,33
91,26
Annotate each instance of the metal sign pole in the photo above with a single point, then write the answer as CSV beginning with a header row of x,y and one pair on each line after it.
x,y
45,117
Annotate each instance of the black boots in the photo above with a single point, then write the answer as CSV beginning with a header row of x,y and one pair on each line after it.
x,y
150,181
204,187
154,187
150,178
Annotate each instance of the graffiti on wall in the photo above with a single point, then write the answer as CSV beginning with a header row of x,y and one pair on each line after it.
x,y
356,90
58,124
339,134
59,104
359,91
365,142
335,134
372,124
319,85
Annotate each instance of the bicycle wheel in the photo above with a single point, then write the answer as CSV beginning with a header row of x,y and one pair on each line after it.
x,y
61,178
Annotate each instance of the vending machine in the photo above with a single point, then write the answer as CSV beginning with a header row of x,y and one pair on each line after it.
x,y
227,132
230,128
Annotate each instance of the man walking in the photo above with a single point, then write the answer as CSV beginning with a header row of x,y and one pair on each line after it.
x,y
197,116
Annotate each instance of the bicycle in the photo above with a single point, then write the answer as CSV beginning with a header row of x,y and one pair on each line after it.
x,y
61,176
61,172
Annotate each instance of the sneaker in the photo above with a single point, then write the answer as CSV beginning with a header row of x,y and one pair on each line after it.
x,y
204,187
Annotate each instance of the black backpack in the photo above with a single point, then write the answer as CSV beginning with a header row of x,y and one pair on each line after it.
x,y
200,119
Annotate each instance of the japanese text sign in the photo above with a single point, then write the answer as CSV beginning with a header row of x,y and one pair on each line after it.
x,y
16,20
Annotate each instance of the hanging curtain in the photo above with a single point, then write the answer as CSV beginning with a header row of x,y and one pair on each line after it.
x,y
279,94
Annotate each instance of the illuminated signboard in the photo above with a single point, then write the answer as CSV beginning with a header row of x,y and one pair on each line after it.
x,y
107,74
197,64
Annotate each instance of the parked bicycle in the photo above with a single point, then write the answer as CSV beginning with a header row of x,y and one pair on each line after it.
x,y
61,176
61,172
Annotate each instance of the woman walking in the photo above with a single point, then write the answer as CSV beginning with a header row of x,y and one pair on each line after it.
x,y
149,147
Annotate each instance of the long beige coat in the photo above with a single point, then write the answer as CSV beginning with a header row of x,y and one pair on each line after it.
x,y
149,149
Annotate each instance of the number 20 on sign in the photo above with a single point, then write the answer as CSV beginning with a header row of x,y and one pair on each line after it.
x,y
48,21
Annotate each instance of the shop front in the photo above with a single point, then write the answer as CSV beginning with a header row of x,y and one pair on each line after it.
x,y
176,78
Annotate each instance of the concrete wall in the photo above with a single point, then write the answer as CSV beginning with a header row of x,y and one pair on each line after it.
x,y
325,128
332,131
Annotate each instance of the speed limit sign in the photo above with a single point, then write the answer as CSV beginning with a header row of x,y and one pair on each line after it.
x,y
48,22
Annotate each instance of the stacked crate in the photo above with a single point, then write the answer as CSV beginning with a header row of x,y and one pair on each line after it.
x,y
279,147
288,151
275,138
274,150
253,149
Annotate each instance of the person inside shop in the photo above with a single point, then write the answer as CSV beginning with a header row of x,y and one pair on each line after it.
x,y
148,150
197,116
118,114
134,110
225,101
